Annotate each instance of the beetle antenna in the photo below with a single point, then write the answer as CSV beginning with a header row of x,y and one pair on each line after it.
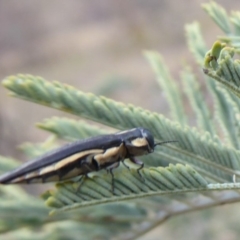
x,y
165,142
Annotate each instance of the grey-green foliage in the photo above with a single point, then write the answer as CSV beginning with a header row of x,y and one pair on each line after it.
x,y
70,129
106,111
225,70
194,93
177,178
219,15
169,86
127,185
224,115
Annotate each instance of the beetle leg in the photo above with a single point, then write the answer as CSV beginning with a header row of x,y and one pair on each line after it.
x,y
138,162
85,164
81,182
125,164
110,168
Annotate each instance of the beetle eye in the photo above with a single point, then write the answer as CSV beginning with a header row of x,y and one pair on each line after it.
x,y
149,137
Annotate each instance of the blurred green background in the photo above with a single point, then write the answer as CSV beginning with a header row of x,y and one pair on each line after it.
x,y
97,47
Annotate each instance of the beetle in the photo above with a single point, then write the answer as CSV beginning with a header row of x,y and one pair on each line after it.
x,y
84,156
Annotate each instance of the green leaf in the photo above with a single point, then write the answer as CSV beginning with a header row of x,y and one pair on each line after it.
x,y
219,15
127,186
122,116
7,164
167,191
192,89
195,41
35,150
235,19
226,70
169,86
227,114
70,129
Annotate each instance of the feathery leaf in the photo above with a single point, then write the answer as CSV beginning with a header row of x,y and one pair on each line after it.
x,y
225,70
168,85
196,98
70,129
127,185
219,15
122,116
195,41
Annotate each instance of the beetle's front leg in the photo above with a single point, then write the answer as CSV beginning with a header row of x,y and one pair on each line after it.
x,y
110,168
81,180
125,164
138,162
